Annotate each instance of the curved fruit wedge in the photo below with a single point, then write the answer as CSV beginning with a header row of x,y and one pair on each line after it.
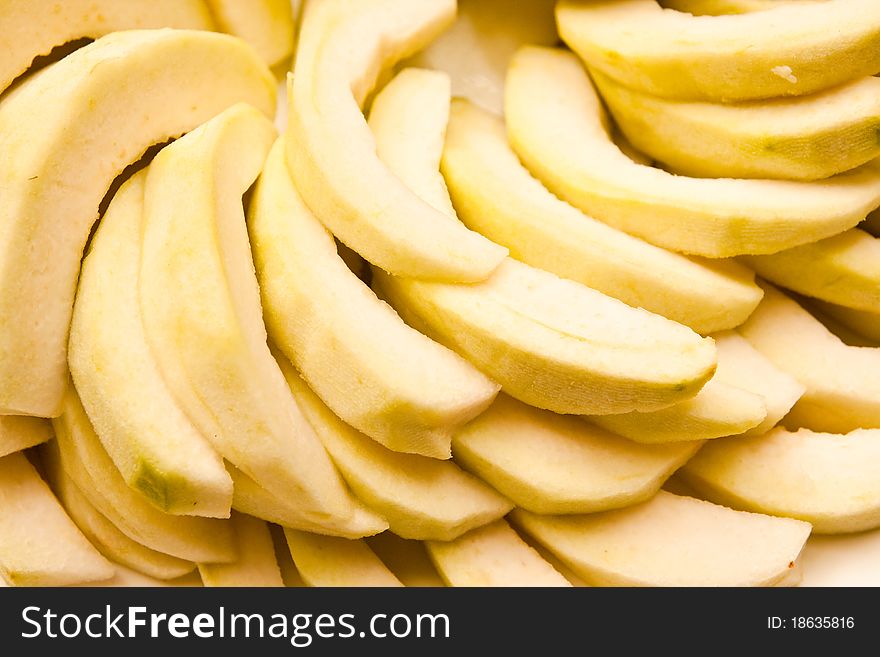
x,y
256,564
555,123
476,49
387,380
671,541
792,49
556,344
496,196
829,480
863,322
744,367
493,555
729,404
200,306
804,138
152,442
842,387
34,28
86,462
332,154
331,561
18,433
65,135
407,559
250,498
420,497
265,24
102,533
844,269
548,463
39,544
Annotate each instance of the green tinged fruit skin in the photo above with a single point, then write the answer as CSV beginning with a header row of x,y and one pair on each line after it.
x,y
557,464
556,125
331,152
803,138
66,133
789,50
496,196
39,544
828,480
190,538
200,305
151,441
389,381
420,497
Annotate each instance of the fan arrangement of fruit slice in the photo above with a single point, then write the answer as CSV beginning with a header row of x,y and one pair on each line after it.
x,y
484,312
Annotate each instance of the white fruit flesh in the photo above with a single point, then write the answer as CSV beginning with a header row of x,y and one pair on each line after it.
x,y
496,196
388,380
66,133
829,480
265,24
18,433
493,555
672,541
555,123
331,153
151,441
550,463
39,544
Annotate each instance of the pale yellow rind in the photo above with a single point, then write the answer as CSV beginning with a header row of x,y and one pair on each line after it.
x,y
256,564
420,497
387,379
493,555
548,463
495,195
39,544
331,152
65,134
792,49
671,541
151,441
829,480
555,125
33,28
330,561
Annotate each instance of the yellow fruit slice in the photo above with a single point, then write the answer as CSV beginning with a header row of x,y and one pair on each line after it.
x,y
671,541
791,49
265,24
208,335
39,544
254,500
842,389
844,269
18,433
420,497
34,28
556,344
493,555
828,480
102,533
555,124
802,138
65,135
407,559
151,441
550,463
496,196
190,538
256,564
865,323
475,51
331,152
387,380
330,561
